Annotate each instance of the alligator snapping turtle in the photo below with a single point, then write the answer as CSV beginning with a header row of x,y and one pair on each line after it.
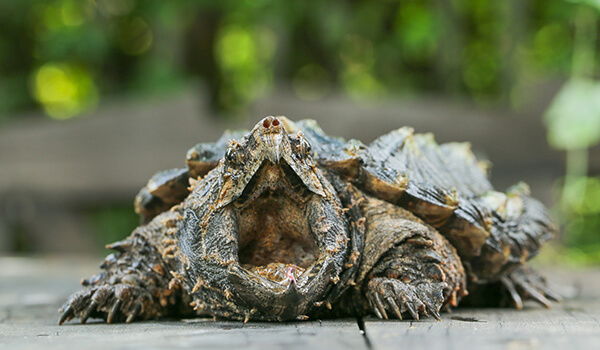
x,y
286,222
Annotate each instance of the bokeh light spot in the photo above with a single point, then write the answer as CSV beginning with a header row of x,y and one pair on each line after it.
x,y
236,48
64,90
362,85
243,55
75,13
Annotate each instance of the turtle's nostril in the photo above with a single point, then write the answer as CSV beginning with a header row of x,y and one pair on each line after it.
x,y
270,121
267,122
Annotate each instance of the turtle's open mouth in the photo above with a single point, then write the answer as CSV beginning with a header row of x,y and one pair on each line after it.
x,y
275,239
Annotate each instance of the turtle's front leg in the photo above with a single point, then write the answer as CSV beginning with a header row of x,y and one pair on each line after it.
x,y
135,283
414,269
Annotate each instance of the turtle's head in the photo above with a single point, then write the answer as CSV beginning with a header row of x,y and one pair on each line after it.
x,y
278,220
268,143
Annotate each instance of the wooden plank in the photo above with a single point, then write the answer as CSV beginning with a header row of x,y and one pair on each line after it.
x,y
574,324
559,328
31,290
176,334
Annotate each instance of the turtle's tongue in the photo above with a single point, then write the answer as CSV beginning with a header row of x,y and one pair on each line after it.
x,y
278,272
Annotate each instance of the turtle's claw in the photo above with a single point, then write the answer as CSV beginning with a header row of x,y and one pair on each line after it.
x,y
134,313
113,311
425,298
525,283
111,302
67,314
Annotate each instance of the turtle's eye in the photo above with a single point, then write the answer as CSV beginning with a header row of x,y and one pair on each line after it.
x,y
231,155
303,146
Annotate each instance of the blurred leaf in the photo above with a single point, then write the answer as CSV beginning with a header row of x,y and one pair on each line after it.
x,y
573,118
551,47
583,196
417,30
592,3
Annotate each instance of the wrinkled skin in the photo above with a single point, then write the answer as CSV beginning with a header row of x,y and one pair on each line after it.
x,y
285,222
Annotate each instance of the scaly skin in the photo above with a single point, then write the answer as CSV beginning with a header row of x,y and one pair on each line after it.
x,y
408,266
136,282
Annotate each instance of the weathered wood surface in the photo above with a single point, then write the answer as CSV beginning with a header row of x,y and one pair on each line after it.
x,y
31,290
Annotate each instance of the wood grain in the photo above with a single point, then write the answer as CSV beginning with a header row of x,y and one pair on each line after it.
x,y
31,290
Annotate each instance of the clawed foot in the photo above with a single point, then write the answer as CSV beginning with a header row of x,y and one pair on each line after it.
x,y
397,297
114,303
525,283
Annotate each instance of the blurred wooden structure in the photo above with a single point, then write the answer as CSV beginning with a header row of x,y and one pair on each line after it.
x,y
51,171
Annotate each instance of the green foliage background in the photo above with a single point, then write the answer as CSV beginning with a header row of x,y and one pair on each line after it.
x,y
489,51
